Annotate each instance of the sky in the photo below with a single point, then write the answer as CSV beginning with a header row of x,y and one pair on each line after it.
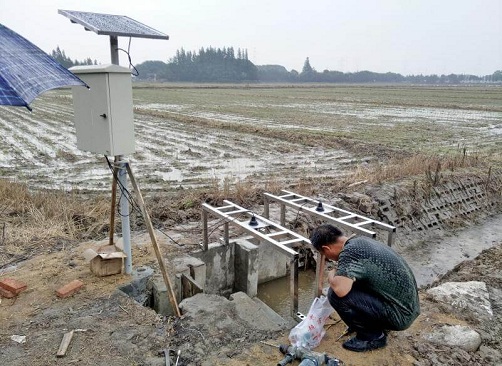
x,y
404,36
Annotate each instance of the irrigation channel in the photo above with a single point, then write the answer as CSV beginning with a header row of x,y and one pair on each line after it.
x,y
428,262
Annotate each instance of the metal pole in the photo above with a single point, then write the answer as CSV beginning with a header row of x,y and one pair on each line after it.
x,y
124,216
319,274
114,45
122,173
293,285
114,202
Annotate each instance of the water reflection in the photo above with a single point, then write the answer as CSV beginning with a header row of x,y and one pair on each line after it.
x,y
276,293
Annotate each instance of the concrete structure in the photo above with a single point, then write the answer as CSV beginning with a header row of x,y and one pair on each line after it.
x,y
219,261
234,313
272,264
191,267
246,267
241,266
137,288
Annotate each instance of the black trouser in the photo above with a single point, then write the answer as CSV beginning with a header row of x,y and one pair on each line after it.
x,y
362,311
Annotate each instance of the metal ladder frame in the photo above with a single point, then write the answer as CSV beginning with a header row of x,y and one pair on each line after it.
x,y
332,214
282,239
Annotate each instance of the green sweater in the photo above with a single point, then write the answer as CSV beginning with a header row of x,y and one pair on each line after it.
x,y
380,270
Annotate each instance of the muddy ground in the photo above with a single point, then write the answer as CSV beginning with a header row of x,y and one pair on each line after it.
x,y
115,330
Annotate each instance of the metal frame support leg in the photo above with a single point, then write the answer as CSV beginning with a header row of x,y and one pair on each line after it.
x,y
390,238
283,214
293,285
319,274
226,233
124,216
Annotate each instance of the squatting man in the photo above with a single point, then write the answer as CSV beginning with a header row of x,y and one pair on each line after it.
x,y
373,289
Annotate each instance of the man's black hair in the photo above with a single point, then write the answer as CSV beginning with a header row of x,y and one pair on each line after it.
x,y
324,235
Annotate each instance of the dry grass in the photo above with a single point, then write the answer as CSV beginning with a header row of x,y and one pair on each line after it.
x,y
432,167
33,221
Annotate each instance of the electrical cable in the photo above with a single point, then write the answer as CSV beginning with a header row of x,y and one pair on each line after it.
x,y
225,221
134,206
124,192
135,72
299,209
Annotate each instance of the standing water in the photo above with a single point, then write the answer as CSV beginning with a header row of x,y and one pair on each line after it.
x,y
276,293
428,262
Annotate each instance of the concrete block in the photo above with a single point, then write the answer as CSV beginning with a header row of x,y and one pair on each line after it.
x,y
190,266
219,261
161,303
272,263
257,314
137,288
246,267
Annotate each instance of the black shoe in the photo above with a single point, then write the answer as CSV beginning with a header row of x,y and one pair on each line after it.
x,y
357,345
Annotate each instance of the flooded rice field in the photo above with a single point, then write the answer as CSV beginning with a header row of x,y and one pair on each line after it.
x,y
40,147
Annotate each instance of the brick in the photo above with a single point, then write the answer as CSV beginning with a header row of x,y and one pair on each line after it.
x,y
6,293
69,289
13,285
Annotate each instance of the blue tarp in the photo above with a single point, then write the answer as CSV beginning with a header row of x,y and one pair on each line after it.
x,y
26,70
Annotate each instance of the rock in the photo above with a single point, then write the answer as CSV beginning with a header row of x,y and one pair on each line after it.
x,y
363,202
490,355
456,336
471,296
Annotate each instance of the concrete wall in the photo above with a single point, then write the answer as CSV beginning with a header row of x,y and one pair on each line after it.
x,y
246,267
272,263
219,260
241,266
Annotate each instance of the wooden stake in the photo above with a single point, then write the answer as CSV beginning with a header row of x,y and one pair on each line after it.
x,y
149,226
64,344
487,179
114,200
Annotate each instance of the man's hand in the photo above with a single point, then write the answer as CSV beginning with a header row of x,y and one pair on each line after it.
x,y
341,285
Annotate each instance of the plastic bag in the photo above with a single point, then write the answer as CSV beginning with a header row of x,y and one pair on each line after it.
x,y
309,332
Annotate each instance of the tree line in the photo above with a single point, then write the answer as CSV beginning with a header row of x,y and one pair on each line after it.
x,y
227,65
278,73
206,65
60,56
221,65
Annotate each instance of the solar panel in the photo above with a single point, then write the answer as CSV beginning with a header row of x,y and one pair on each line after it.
x,y
26,70
112,25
